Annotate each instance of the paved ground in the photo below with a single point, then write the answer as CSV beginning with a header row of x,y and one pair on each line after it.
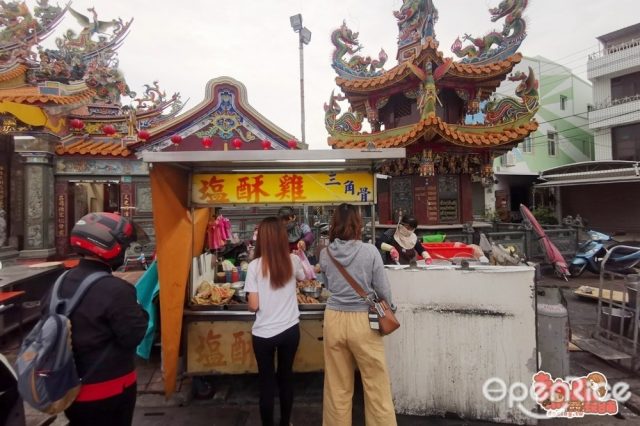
x,y
234,400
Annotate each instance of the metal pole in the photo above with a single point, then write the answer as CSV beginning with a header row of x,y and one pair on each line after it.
x,y
301,85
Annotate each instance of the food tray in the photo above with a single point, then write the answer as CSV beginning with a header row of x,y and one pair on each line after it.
x,y
312,306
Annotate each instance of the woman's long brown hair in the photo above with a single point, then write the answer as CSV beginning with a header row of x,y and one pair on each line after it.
x,y
272,246
346,223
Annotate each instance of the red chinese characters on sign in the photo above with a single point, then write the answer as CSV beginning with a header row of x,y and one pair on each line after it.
x,y
291,188
251,192
208,350
212,190
61,230
241,352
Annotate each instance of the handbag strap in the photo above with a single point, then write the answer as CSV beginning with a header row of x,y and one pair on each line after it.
x,y
352,282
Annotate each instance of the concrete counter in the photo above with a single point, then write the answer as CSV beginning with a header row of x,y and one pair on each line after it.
x,y
460,328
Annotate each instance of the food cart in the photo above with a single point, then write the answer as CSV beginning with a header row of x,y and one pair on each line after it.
x,y
185,187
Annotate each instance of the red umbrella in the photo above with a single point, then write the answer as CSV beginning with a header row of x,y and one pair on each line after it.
x,y
553,254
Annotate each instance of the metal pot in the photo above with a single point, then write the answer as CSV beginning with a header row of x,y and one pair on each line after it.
x,y
312,291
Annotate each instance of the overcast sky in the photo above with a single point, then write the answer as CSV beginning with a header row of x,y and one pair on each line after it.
x,y
184,44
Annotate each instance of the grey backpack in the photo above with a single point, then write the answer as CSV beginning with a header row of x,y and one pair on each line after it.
x,y
47,376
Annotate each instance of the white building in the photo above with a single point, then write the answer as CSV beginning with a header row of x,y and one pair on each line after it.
x,y
605,191
615,74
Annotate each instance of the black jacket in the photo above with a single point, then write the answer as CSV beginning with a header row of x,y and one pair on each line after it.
x,y
406,255
108,318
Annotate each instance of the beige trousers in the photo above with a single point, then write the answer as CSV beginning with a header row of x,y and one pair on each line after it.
x,y
350,342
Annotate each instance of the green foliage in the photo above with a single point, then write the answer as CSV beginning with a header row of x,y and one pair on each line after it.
x,y
545,216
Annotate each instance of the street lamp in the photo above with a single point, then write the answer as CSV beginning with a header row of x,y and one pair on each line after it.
x,y
304,37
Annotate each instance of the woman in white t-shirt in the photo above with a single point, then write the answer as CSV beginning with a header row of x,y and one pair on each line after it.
x,y
271,288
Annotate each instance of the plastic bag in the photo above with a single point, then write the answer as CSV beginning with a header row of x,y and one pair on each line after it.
x,y
309,272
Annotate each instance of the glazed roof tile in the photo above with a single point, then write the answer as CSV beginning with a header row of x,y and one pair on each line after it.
x,y
31,95
429,50
13,73
458,135
93,147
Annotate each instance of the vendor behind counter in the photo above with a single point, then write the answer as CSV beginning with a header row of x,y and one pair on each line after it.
x,y
401,244
300,235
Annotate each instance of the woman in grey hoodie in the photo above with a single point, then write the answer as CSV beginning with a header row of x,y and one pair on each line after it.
x,y
349,341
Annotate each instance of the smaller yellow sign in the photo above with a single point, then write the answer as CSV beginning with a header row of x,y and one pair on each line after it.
x,y
278,188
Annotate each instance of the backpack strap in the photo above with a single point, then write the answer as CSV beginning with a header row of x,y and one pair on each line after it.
x,y
69,304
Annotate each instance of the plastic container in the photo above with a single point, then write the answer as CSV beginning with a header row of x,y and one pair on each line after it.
x,y
433,238
448,250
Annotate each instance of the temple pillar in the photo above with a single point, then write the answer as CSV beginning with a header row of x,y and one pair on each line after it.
x,y
37,156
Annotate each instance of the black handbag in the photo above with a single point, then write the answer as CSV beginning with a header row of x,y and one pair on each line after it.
x,y
381,316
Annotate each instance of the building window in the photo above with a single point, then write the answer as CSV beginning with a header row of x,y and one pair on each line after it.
x,y
625,86
552,143
563,102
526,145
626,142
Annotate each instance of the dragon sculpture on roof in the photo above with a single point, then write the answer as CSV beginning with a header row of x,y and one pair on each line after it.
x,y
416,20
496,45
348,122
346,43
20,30
510,109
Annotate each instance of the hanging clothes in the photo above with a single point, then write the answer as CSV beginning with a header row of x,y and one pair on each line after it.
x,y
218,232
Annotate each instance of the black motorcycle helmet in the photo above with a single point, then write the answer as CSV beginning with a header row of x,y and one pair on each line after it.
x,y
103,235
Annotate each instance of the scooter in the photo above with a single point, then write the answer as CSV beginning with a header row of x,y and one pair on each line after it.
x,y
591,252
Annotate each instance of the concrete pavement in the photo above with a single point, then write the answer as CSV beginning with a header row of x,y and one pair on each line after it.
x,y
235,398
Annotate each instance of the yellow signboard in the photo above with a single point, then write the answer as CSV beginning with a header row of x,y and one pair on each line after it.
x,y
225,347
272,188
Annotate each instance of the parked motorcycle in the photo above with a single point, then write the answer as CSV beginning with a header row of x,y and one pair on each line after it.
x,y
591,252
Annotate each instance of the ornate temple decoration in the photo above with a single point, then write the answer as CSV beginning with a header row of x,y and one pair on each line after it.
x,y
496,45
346,43
346,123
510,109
416,21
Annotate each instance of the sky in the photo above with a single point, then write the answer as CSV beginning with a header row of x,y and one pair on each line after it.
x,y
186,43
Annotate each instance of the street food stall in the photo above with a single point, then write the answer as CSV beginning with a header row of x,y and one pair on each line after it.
x,y
197,314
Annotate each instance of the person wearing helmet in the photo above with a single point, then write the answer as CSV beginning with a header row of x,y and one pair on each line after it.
x,y
300,235
401,245
108,323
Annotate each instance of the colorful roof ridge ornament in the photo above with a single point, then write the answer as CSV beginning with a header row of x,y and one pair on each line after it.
x,y
346,43
495,45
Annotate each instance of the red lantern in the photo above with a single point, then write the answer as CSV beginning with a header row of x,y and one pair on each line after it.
x,y
266,144
207,142
108,130
176,139
293,144
237,143
76,124
144,135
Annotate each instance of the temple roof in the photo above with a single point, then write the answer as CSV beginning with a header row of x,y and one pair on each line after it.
x,y
12,72
111,148
467,135
428,51
33,95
